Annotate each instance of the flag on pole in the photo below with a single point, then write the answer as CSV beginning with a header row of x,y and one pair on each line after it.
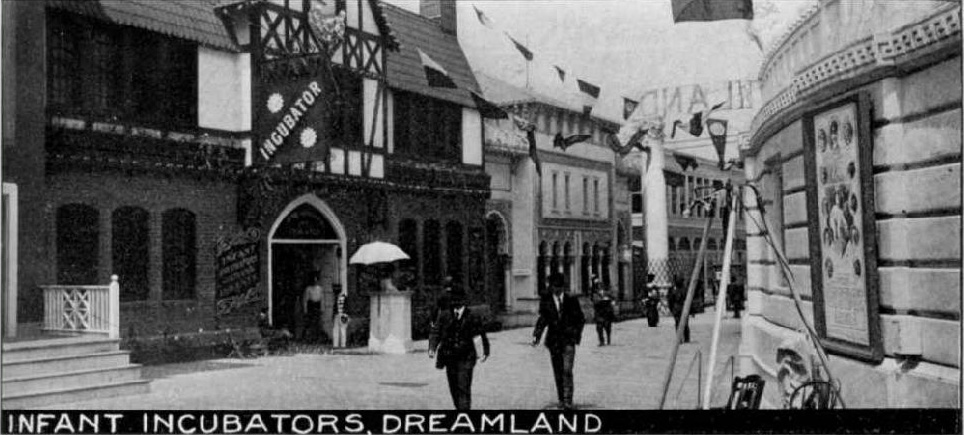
x,y
561,72
487,109
712,10
695,125
590,95
628,107
483,19
436,76
717,129
522,48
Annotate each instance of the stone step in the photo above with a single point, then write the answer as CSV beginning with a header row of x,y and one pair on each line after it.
x,y
86,378
56,347
63,364
68,395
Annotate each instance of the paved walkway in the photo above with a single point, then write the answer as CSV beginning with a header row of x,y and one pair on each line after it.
x,y
626,375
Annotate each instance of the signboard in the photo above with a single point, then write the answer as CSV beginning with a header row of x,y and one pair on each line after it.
x,y
734,94
238,271
293,119
843,251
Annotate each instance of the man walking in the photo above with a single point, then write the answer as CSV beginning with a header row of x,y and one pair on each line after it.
x,y
452,338
677,300
605,314
562,319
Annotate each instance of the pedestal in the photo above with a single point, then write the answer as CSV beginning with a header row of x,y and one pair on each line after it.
x,y
391,323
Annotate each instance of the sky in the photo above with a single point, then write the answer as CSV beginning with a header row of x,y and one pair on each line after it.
x,y
627,47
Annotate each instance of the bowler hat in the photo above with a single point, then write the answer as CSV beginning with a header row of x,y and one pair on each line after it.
x,y
457,296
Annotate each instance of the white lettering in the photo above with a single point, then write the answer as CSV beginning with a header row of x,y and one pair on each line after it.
x,y
232,423
168,423
498,420
414,420
595,419
541,423
395,420
315,88
467,423
570,424
256,421
289,121
92,424
294,424
308,97
355,422
180,424
279,421
512,428
435,423
42,421
64,423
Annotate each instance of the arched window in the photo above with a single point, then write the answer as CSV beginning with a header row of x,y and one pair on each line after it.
x,y
711,245
130,241
77,244
408,241
672,244
179,245
453,250
432,252
684,244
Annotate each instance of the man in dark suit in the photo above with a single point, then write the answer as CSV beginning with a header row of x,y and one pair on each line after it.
x,y
562,318
453,339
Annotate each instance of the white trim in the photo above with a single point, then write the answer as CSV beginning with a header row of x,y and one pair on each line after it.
x,y
10,279
329,214
305,242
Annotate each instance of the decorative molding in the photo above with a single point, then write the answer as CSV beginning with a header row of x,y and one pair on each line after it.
x,y
873,52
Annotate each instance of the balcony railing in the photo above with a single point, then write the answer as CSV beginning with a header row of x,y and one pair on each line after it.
x,y
82,308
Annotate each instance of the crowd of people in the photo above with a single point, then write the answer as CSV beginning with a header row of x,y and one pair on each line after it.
x,y
458,340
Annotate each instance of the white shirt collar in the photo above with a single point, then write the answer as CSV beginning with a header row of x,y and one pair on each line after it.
x,y
458,312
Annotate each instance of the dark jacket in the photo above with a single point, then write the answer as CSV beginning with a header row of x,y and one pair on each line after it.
x,y
676,299
603,309
453,339
563,331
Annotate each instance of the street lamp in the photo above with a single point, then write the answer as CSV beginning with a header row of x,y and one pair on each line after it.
x,y
236,18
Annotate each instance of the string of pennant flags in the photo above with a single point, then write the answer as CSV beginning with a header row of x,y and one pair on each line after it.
x,y
683,10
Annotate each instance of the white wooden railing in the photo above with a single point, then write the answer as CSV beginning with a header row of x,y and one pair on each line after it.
x,y
83,308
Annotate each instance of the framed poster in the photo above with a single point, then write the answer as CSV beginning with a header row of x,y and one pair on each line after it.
x,y
840,211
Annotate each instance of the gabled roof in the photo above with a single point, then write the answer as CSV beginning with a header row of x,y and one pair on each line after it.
x,y
405,71
193,20
504,93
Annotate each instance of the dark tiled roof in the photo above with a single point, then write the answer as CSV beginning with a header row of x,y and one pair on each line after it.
x,y
405,71
187,19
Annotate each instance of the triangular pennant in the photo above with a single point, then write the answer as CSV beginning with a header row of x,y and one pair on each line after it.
x,y
522,48
483,19
712,10
685,162
717,129
588,88
487,109
561,72
628,107
436,76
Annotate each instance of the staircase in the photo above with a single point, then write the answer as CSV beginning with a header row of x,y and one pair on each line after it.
x,y
46,372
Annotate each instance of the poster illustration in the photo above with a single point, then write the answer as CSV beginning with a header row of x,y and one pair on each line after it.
x,y
841,213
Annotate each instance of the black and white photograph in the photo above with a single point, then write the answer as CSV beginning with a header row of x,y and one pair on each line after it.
x,y
529,216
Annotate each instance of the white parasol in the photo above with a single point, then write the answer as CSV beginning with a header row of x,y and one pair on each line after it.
x,y
377,252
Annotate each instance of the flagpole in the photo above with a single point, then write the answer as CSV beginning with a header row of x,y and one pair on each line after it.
x,y
527,62
721,296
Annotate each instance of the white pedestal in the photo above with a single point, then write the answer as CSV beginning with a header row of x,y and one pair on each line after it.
x,y
391,323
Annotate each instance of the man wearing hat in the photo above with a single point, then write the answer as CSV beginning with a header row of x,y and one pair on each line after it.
x,y
561,317
453,339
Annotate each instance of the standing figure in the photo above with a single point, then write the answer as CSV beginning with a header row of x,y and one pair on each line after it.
x,y
339,329
734,292
651,301
311,307
443,301
561,317
452,339
677,299
605,314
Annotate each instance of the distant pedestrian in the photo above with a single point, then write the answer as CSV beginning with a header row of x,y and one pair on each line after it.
x,y
560,316
604,311
311,307
734,292
651,301
339,329
677,300
452,343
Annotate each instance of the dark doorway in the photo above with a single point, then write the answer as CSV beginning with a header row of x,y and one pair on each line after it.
x,y
495,260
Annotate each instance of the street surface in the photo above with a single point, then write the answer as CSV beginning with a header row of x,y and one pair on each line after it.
x,y
626,375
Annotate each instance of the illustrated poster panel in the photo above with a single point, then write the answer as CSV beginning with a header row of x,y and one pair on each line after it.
x,y
238,271
839,194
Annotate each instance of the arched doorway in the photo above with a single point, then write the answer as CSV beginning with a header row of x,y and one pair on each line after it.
x,y
496,260
306,240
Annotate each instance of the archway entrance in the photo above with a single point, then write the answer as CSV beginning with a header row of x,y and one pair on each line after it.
x,y
497,257
306,241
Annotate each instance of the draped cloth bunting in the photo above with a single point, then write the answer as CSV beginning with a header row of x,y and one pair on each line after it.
x,y
530,132
488,109
483,19
564,142
561,72
695,125
685,162
712,10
